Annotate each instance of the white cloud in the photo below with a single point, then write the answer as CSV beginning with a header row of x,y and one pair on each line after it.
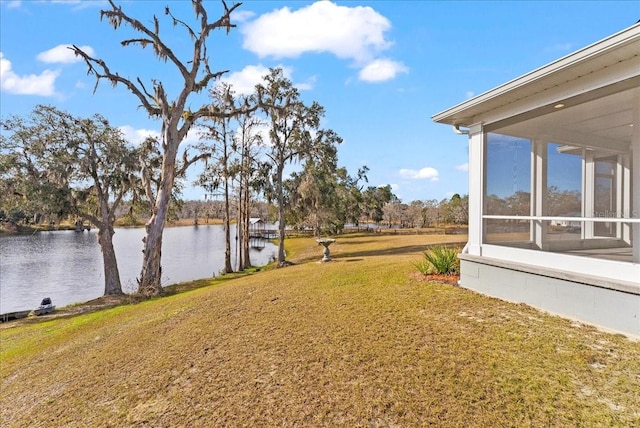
x,y
382,69
356,33
240,16
32,84
12,4
469,94
137,136
245,81
426,173
308,85
62,54
463,167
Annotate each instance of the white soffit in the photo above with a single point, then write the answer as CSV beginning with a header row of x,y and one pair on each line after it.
x,y
615,49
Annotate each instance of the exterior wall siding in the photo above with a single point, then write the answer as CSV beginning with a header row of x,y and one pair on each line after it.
x,y
606,308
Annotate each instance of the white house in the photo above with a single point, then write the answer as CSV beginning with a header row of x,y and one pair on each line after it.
x,y
554,186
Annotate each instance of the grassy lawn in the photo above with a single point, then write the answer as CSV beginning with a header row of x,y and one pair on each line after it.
x,y
360,341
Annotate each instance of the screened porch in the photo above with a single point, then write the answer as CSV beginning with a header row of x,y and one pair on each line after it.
x,y
563,181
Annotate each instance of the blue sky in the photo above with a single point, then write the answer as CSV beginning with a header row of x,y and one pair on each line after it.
x,y
381,69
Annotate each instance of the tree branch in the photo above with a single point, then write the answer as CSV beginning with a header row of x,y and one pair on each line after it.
x,y
186,163
162,51
114,79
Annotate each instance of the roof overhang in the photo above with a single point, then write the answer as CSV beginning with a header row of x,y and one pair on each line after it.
x,y
605,63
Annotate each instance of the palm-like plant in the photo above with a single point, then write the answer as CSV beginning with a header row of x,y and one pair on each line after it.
x,y
439,260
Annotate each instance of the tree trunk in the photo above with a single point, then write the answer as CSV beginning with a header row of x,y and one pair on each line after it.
x,y
240,228
149,283
228,268
281,222
245,225
112,285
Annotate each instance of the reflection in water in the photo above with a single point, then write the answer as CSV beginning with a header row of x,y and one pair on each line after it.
x,y
67,266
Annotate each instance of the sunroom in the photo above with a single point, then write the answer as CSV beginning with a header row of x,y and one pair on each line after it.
x,y
554,186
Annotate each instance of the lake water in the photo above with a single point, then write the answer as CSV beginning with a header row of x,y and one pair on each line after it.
x,y
67,265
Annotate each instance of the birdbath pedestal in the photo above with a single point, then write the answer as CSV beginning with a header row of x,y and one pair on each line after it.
x,y
325,243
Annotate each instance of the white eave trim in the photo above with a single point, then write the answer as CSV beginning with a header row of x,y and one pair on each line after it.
x,y
628,38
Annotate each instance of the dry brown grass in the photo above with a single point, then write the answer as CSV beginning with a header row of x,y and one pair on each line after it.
x,y
359,341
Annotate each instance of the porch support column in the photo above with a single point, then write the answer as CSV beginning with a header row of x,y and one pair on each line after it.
x,y
539,194
635,182
588,185
625,196
476,189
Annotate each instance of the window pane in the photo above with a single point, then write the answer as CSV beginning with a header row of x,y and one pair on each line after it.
x,y
508,166
605,167
510,233
564,181
605,197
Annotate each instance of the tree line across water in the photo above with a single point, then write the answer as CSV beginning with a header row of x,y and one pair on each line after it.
x,y
54,165
374,213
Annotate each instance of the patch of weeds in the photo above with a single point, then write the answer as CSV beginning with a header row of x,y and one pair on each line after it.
x,y
439,260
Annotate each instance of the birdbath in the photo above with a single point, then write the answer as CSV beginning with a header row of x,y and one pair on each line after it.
x,y
325,242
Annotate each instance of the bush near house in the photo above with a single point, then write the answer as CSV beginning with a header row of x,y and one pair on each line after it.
x,y
440,260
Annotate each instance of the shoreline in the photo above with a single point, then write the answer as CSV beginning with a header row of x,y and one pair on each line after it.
x,y
18,317
12,229
105,302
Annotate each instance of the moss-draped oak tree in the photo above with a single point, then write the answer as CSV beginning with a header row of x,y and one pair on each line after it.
x,y
73,166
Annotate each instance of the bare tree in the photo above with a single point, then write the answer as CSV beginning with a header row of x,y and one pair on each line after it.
x,y
177,119
430,213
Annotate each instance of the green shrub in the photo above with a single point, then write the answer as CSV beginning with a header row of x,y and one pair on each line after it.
x,y
439,260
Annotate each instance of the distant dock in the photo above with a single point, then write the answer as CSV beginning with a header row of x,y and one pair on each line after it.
x,y
263,234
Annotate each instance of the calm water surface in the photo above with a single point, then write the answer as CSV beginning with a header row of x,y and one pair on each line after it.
x,y
67,266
